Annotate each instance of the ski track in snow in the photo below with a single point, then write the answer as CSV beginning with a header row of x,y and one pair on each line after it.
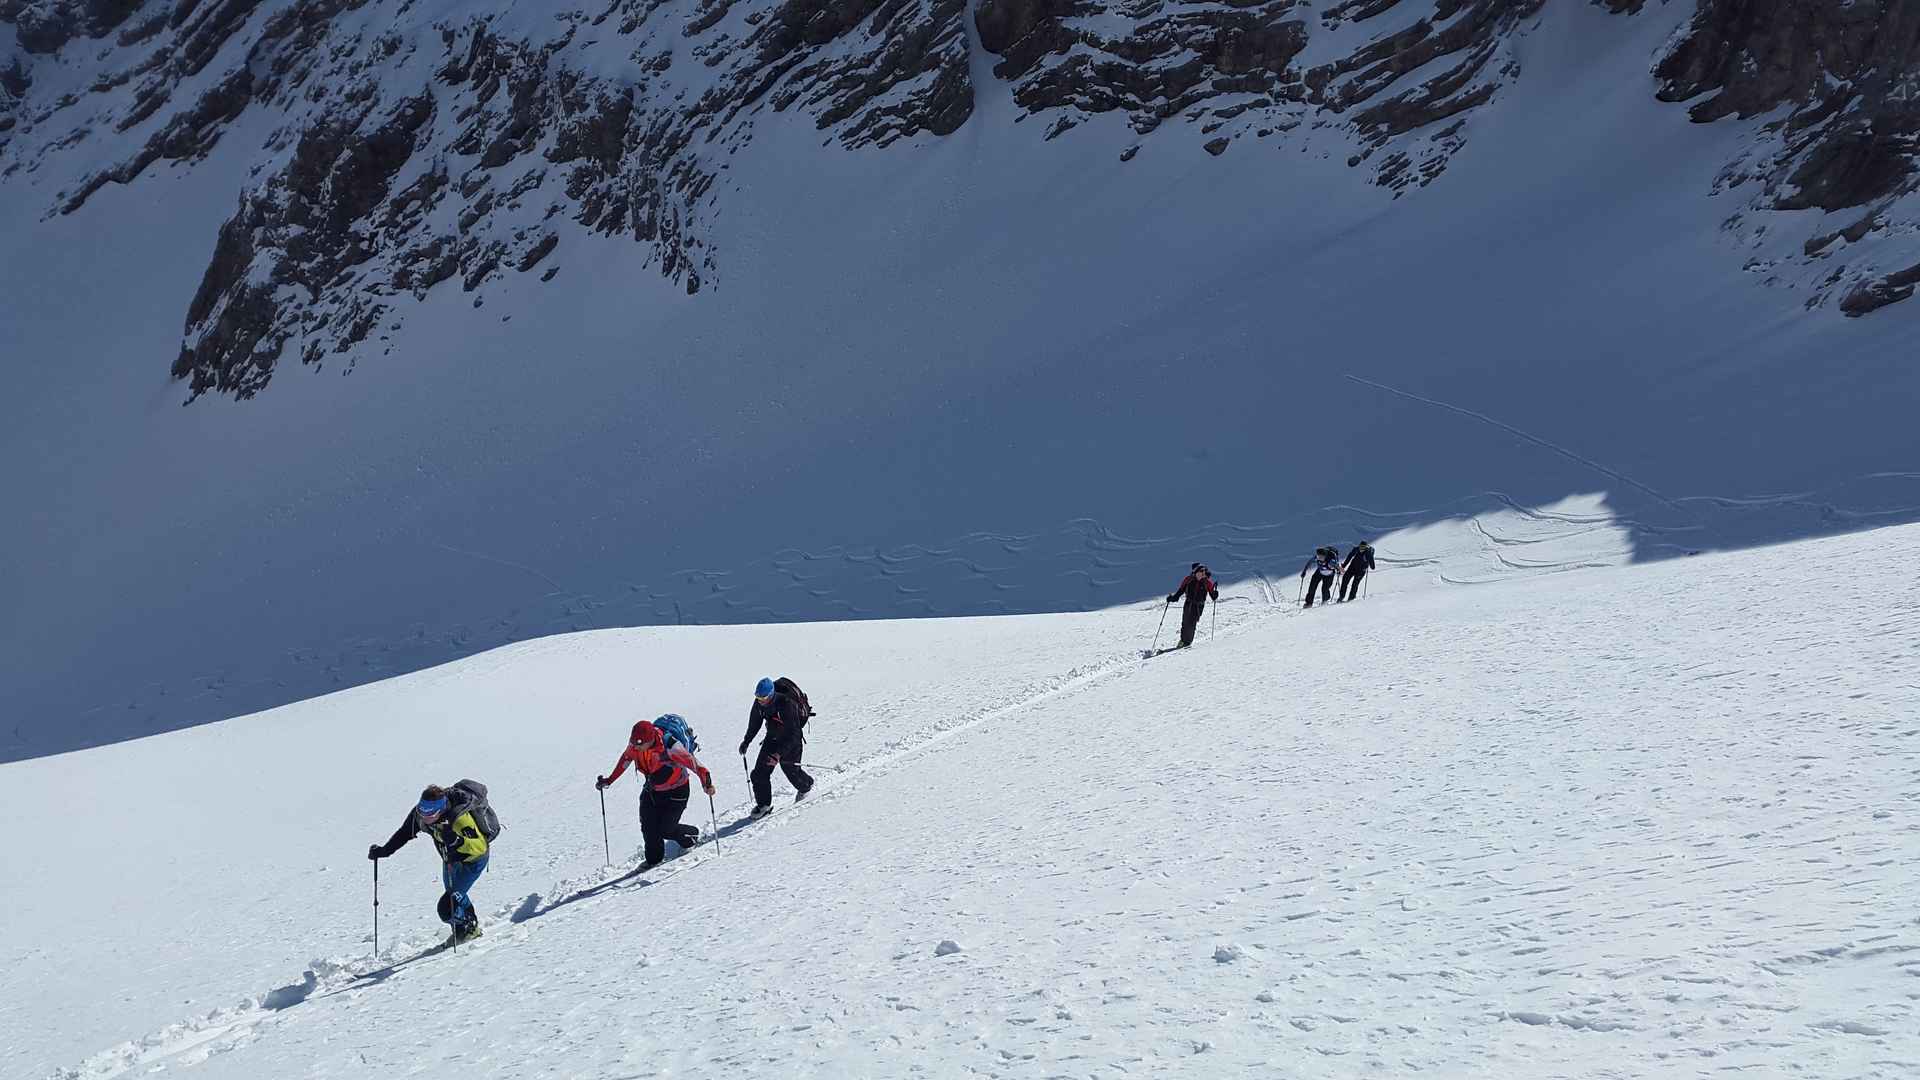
x,y
1647,821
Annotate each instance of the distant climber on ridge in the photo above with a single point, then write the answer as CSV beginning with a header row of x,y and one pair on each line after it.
x,y
462,826
661,752
1354,570
1325,566
1198,587
780,705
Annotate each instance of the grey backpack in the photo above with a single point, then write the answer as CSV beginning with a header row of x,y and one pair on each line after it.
x,y
481,810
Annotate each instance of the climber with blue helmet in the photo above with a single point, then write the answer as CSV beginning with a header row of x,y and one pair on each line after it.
x,y
783,708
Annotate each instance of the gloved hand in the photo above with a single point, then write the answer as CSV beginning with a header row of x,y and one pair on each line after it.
x,y
600,782
1169,598
706,785
743,747
373,851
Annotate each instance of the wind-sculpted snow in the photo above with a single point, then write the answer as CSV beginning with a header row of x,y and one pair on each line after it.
x,y
1610,822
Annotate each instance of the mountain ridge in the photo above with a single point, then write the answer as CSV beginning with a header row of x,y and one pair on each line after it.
x,y
420,145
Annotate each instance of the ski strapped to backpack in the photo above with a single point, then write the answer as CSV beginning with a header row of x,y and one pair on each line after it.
x,y
482,811
674,729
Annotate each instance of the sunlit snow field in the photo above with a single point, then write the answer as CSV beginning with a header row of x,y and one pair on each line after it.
x,y
1647,820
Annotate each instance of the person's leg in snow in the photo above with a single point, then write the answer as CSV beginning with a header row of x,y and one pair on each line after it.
x,y
1324,582
456,908
1189,621
1350,585
790,764
761,779
660,821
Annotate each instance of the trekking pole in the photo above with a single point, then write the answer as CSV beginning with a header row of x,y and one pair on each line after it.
x,y
604,842
715,812
1163,625
1213,620
376,909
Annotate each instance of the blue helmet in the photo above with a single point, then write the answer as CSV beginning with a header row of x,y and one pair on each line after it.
x,y
764,689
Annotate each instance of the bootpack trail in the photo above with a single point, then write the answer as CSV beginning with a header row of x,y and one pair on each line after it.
x,y
192,1040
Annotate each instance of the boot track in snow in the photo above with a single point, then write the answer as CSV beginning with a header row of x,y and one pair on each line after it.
x,y
193,1040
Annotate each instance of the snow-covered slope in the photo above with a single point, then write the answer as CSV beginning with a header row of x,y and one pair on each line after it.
x,y
1645,821
986,368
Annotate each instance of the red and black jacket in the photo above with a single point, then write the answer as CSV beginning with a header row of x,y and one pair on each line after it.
x,y
663,770
1197,589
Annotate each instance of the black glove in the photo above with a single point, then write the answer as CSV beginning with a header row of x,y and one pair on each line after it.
x,y
600,782
743,747
374,852
1169,598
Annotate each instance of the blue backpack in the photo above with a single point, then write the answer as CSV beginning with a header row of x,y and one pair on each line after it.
x,y
673,728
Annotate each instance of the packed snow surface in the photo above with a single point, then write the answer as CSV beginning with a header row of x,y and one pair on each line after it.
x,y
1656,820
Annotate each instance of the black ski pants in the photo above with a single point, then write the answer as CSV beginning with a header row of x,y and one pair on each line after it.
x,y
1324,582
1189,621
660,821
1350,585
786,756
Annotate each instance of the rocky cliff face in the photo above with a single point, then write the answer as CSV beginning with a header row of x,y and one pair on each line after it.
x,y
415,145
1246,70
1839,84
422,146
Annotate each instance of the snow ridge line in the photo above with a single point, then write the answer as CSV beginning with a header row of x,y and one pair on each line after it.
x,y
179,1043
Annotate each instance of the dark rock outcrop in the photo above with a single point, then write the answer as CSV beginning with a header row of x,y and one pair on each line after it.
x,y
15,81
1845,77
1874,295
44,26
1233,69
372,191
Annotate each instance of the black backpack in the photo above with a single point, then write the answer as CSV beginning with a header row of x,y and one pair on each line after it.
x,y
482,811
784,685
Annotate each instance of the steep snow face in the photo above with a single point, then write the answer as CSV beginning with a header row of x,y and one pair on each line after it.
x,y
1605,823
980,372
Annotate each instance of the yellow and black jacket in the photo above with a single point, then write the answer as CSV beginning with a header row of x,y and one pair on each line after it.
x,y
456,835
